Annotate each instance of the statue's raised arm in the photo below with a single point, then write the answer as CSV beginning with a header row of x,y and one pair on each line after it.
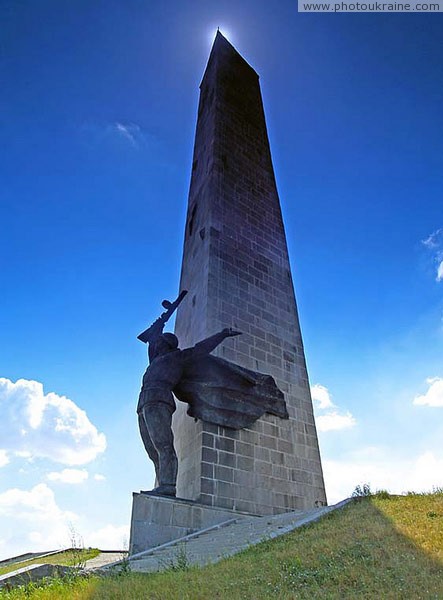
x,y
156,329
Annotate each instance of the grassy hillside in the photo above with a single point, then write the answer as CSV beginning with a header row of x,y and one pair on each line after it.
x,y
378,547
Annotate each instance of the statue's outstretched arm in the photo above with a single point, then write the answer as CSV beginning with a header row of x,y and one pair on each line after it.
x,y
209,344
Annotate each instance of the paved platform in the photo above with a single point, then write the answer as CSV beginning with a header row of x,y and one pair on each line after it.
x,y
103,559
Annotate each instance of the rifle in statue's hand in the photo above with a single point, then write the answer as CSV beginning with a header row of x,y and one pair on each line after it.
x,y
157,326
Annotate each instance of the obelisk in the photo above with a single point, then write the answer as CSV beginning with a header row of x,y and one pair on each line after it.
x,y
236,270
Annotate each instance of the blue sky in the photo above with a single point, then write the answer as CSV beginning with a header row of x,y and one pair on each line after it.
x,y
98,115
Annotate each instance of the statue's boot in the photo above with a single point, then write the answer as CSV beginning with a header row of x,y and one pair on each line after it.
x,y
161,490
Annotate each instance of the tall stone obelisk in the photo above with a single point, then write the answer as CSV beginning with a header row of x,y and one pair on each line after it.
x,y
236,269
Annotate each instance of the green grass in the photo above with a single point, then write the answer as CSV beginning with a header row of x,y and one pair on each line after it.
x,y
377,547
71,558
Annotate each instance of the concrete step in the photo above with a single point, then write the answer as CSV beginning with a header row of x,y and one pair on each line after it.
x,y
218,543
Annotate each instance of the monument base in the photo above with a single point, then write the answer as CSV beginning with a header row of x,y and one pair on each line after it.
x,y
156,520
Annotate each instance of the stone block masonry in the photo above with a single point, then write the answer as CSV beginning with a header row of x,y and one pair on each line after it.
x,y
157,520
236,269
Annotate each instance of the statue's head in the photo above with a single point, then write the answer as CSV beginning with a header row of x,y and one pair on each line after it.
x,y
169,342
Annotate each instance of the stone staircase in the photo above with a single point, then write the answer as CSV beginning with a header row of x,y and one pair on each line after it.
x,y
223,540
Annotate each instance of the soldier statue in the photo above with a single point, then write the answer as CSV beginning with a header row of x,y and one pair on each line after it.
x,y
216,390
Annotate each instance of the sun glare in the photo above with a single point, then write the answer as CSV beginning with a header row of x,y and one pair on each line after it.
x,y
223,30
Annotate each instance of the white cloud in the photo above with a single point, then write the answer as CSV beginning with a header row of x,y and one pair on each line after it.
x,y
434,395
23,454
99,477
36,424
109,537
382,471
334,421
4,549
434,240
69,476
434,243
130,132
32,521
4,459
321,395
20,503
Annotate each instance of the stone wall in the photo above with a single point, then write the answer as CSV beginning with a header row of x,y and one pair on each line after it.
x,y
157,520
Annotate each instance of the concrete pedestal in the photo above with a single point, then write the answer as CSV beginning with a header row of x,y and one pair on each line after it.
x,y
157,519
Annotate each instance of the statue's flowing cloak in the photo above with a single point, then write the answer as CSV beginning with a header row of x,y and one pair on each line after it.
x,y
226,394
